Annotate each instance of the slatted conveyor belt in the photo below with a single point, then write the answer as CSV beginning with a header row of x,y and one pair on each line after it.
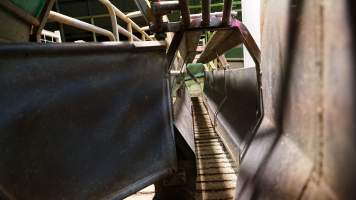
x,y
216,176
216,171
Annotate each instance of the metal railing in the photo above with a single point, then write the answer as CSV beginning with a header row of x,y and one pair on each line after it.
x,y
50,37
113,35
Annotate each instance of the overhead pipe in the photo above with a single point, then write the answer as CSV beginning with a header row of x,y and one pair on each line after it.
x,y
206,12
184,9
54,16
227,12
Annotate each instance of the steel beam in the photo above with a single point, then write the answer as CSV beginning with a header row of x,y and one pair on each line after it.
x,y
224,40
145,8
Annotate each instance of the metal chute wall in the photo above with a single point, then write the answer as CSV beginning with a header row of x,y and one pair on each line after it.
x,y
83,121
305,147
231,96
183,116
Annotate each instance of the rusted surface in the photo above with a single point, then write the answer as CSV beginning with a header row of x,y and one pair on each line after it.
x,y
305,146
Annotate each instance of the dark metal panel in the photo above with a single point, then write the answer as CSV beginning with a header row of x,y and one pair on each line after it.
x,y
13,29
232,100
83,121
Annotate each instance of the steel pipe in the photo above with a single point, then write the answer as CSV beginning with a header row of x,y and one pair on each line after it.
x,y
205,7
126,19
127,33
184,9
134,14
54,16
227,12
113,22
164,7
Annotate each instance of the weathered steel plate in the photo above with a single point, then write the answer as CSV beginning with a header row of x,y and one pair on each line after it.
x,y
83,121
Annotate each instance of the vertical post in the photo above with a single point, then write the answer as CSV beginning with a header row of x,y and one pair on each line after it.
x,y
143,37
113,19
58,38
184,9
61,28
129,28
94,34
227,12
206,12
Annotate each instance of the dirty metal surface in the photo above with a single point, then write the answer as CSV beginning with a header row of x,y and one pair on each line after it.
x,y
305,146
183,117
83,121
231,97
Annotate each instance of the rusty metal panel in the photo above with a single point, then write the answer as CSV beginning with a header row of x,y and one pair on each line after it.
x,y
83,121
305,146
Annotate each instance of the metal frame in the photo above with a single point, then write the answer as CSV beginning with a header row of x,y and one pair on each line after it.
x,y
44,16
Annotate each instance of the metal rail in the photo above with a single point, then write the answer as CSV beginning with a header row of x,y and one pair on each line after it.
x,y
126,19
54,16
